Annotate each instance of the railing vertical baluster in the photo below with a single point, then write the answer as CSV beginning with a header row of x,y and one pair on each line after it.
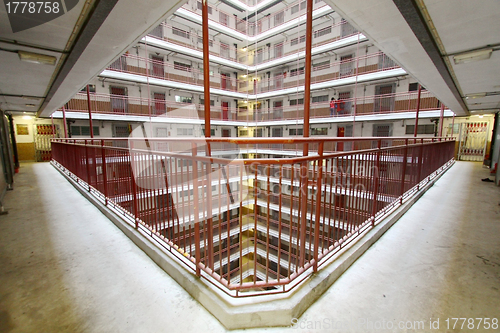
x,y
420,163
104,173
87,163
318,205
134,185
376,181
403,172
196,210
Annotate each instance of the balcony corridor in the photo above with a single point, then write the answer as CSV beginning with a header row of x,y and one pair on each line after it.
x,y
66,268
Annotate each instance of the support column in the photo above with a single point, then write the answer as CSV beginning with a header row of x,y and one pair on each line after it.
x,y
14,144
441,116
90,113
206,67
208,166
64,123
418,110
304,166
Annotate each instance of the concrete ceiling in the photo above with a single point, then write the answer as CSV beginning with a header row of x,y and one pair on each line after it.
x,y
84,40
424,35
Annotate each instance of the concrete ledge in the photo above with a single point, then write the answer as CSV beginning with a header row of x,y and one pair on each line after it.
x,y
258,311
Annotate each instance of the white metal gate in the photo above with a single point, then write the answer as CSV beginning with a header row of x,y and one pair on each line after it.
x,y
473,139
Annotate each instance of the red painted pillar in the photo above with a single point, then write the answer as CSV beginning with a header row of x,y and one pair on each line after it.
x,y
90,113
441,116
64,122
418,109
206,67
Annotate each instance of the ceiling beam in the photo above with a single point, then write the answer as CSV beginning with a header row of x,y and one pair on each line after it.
x,y
411,13
101,10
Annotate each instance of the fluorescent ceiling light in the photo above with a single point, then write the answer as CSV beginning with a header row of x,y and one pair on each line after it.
x,y
30,105
466,57
37,58
478,95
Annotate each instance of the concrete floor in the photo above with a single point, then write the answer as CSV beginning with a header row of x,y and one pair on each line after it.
x,y
65,268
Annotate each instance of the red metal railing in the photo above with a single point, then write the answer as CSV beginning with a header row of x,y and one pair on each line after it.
x,y
259,224
159,106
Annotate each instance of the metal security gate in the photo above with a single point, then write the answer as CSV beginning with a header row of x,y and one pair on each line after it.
x,y
473,139
43,134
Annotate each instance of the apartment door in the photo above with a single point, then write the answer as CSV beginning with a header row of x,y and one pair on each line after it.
x,y
278,50
384,98
119,64
346,65
278,81
278,110
119,102
340,134
158,69
277,132
225,110
224,50
226,133
346,105
224,81
159,103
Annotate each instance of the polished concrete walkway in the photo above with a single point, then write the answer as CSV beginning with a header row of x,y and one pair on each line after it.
x,y
65,268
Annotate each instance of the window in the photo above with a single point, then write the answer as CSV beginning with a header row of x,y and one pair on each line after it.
x,y
202,102
162,132
383,130
184,131
183,99
121,131
258,133
303,5
84,130
299,101
411,87
180,32
182,67
157,32
322,32
277,132
321,65
346,29
91,88
279,18
296,131
422,129
319,99
297,71
319,131
200,7
212,131
295,9
210,42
